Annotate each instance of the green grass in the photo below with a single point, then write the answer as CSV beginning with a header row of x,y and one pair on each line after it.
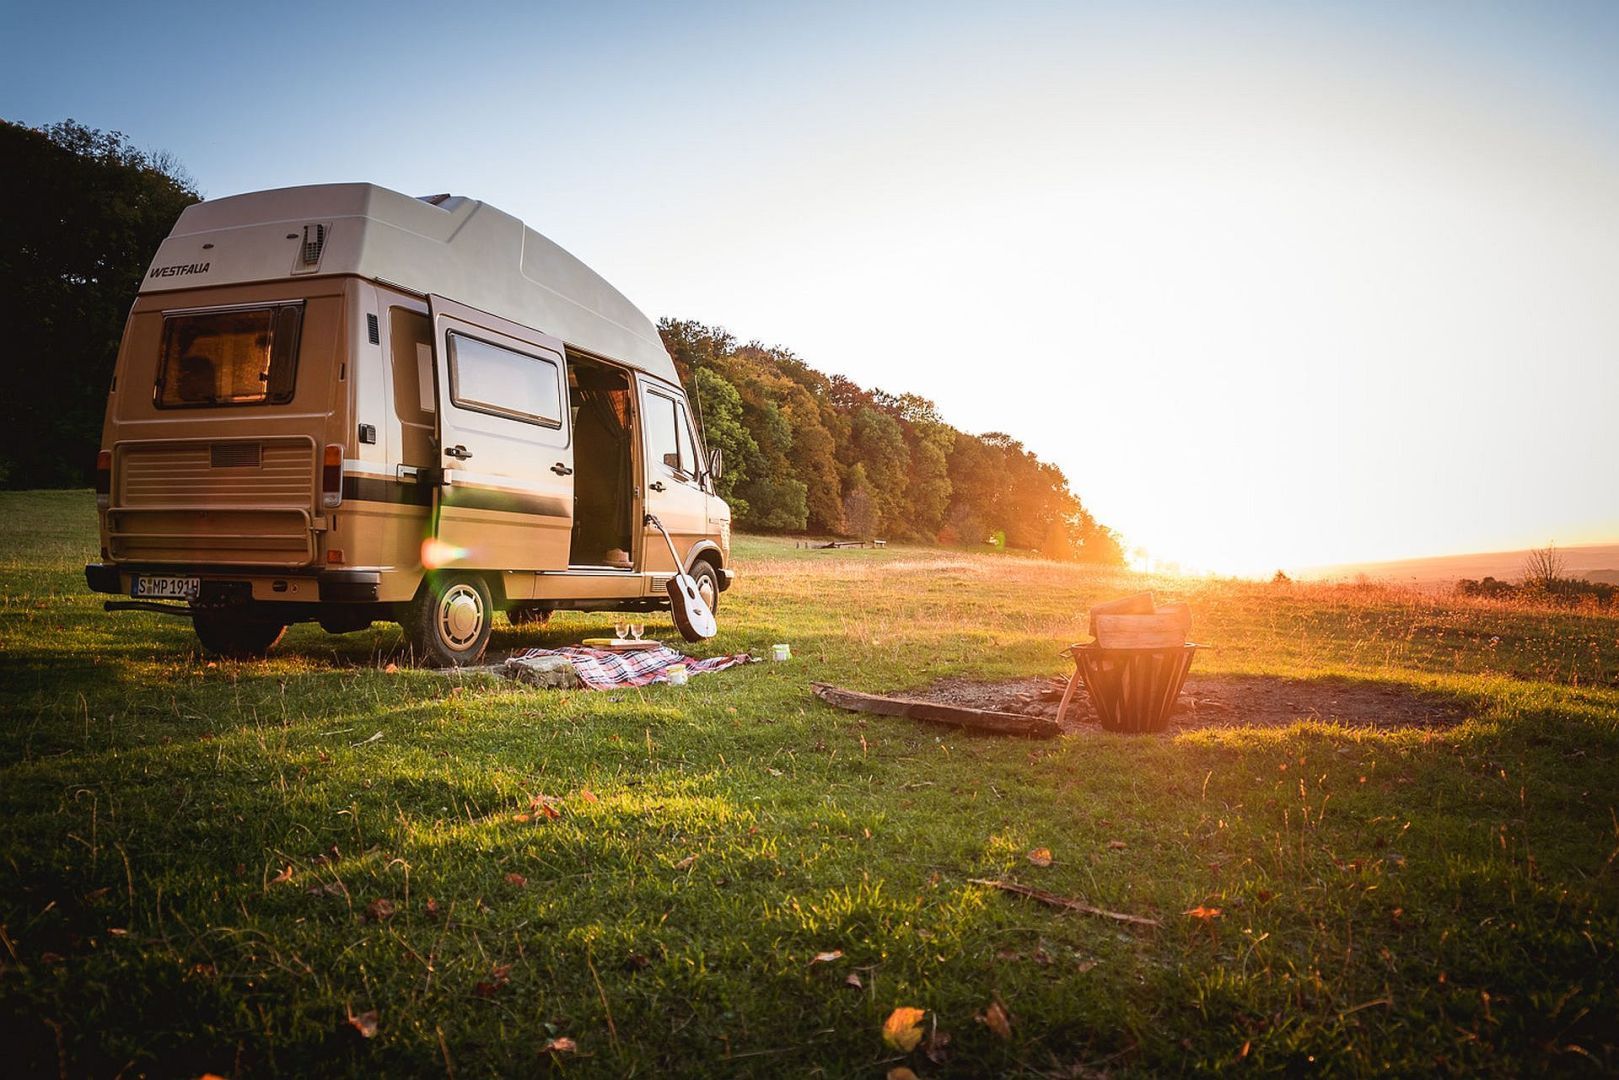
x,y
1408,901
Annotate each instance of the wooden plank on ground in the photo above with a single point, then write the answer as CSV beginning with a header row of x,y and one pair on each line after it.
x,y
998,723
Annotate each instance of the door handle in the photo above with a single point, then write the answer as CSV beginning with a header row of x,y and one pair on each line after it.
x,y
460,453
656,485
561,469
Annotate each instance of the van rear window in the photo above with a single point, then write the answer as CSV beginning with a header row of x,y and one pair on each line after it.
x,y
242,356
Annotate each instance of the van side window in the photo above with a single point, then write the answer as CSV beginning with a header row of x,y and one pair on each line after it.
x,y
243,356
492,379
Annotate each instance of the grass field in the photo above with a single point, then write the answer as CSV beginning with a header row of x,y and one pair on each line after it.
x,y
214,866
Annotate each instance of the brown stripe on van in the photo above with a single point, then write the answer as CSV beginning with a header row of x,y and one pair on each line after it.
x,y
515,502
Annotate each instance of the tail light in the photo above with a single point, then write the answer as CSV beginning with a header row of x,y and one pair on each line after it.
x,y
104,478
331,477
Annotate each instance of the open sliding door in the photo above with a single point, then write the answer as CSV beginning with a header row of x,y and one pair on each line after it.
x,y
504,443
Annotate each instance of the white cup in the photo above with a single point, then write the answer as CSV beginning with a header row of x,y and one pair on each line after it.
x,y
781,652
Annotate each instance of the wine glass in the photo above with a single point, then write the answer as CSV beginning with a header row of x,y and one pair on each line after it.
x,y
636,630
620,628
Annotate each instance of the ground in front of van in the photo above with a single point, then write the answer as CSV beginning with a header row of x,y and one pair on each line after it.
x,y
318,864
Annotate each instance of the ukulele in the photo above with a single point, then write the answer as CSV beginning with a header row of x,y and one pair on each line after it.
x,y
692,615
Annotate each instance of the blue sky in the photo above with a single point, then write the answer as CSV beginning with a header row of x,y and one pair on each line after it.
x,y
1355,260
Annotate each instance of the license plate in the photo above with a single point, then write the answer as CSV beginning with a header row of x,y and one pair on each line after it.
x,y
166,588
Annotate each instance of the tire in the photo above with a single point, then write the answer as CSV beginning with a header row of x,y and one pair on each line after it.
x,y
236,634
708,583
527,615
448,622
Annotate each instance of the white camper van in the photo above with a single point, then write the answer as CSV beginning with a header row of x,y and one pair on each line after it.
x,y
342,404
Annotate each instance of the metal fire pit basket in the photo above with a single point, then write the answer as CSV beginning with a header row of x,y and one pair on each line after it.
x,y
1133,690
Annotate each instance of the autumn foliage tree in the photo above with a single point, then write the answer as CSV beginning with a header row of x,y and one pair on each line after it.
x,y
808,451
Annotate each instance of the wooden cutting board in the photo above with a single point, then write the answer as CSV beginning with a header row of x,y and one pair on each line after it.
x,y
615,645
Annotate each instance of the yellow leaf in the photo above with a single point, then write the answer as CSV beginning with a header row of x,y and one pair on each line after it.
x,y
1040,856
1204,913
996,1019
903,1028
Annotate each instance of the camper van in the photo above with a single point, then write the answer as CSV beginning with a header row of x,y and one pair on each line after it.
x,y
341,404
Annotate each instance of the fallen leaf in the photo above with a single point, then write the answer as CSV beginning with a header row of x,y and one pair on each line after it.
x,y
685,864
1116,845
1040,856
900,1072
637,962
853,980
432,907
588,795
117,931
365,1023
937,1046
827,957
996,1019
1085,965
391,669
498,978
1204,913
283,877
903,1028
560,1045
522,819
516,879
380,909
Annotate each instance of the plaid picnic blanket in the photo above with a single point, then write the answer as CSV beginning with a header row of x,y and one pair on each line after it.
x,y
603,669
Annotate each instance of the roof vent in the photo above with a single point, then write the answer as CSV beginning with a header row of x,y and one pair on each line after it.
x,y
314,241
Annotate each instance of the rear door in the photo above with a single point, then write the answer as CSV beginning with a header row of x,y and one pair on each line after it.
x,y
504,445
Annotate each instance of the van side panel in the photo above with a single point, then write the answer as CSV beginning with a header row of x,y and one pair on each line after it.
x,y
386,511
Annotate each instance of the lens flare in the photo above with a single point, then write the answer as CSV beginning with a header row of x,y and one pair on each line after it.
x,y
437,553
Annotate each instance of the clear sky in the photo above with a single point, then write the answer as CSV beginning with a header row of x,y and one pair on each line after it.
x,y
1275,284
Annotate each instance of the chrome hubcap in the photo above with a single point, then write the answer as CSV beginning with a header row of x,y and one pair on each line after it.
x,y
705,589
460,616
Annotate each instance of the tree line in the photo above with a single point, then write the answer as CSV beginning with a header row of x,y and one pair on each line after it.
x,y
85,210
83,214
809,451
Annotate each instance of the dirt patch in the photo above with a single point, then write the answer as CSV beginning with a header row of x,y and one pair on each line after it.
x,y
1220,701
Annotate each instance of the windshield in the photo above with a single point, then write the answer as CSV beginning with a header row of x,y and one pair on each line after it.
x,y
243,356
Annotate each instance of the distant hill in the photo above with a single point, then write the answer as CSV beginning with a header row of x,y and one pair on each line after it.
x,y
1595,562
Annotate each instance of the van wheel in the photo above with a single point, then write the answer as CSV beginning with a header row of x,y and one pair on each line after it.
x,y
708,583
448,622
236,635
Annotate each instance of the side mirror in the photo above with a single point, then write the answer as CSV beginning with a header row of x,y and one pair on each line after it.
x,y
716,463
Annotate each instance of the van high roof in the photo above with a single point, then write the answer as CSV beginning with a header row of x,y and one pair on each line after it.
x,y
459,248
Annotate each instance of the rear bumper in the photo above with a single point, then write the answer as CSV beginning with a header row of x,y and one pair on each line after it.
x,y
224,584
727,577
